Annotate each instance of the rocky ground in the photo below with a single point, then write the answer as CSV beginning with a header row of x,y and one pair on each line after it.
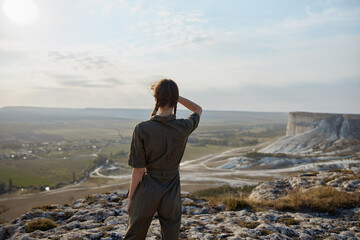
x,y
103,216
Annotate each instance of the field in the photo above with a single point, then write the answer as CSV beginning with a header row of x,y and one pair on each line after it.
x,y
41,172
58,163
21,177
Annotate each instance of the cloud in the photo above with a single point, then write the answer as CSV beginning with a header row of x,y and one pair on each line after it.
x,y
105,7
137,6
61,55
179,27
339,97
64,76
84,84
114,81
312,21
84,59
67,80
167,31
193,47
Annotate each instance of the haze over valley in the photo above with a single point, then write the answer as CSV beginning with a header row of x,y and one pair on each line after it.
x,y
51,155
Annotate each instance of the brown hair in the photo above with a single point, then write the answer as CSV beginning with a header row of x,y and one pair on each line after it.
x,y
166,93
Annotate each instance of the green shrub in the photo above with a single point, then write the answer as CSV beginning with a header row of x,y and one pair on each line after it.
x,y
42,224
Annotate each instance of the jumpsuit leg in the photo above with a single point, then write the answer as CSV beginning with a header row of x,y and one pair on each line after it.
x,y
143,207
170,212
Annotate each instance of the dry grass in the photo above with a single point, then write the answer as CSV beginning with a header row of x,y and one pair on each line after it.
x,y
192,204
247,224
328,179
344,171
350,175
42,224
265,231
90,199
321,199
3,208
235,204
225,190
288,221
45,207
234,198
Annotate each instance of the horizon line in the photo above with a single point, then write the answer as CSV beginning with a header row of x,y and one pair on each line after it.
x,y
212,110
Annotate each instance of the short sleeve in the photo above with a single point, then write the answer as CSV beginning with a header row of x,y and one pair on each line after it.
x,y
137,151
193,121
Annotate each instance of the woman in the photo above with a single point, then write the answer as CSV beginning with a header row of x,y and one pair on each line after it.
x,y
156,150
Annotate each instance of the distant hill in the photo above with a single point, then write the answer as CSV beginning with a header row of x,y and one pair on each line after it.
x,y
36,124
39,114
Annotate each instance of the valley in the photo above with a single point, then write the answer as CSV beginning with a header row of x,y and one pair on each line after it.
x,y
217,154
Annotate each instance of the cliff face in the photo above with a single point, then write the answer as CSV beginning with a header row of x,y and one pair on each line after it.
x,y
308,132
341,125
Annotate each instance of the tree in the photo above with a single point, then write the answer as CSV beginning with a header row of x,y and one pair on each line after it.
x,y
10,187
2,188
100,160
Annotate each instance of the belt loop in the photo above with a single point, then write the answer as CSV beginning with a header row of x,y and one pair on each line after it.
x,y
163,172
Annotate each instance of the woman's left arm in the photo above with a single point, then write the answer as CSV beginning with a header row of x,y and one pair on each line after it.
x,y
136,177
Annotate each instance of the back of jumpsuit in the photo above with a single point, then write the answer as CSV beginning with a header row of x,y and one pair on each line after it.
x,y
158,145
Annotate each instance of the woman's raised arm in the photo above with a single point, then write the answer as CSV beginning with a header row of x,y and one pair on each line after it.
x,y
190,105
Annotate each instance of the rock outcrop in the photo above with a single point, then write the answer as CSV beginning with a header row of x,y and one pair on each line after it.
x,y
342,180
103,216
311,132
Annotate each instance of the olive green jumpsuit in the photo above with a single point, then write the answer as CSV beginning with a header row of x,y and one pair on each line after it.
x,y
158,145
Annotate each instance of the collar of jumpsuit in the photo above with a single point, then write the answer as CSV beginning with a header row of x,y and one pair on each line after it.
x,y
163,118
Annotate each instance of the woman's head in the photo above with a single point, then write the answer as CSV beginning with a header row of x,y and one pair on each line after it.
x,y
166,94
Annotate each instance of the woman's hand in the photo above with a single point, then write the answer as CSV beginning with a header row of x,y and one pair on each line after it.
x,y
128,206
136,178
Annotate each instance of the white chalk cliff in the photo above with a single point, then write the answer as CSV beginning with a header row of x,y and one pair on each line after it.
x,y
314,132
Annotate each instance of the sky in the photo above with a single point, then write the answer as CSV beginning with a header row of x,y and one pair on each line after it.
x,y
273,56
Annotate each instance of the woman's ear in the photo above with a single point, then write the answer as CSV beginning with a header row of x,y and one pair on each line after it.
x,y
155,99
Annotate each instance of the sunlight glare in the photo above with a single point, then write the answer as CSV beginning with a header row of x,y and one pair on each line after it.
x,y
22,12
